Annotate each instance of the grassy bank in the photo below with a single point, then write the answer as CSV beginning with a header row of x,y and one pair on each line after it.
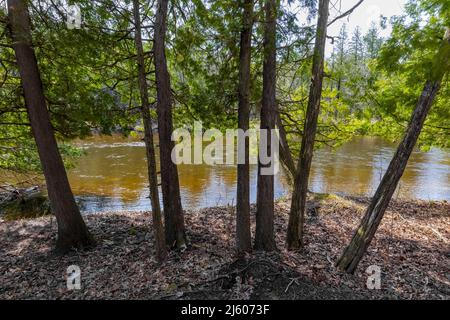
x,y
411,247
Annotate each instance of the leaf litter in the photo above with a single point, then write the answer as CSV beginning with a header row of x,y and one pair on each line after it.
x,y
411,247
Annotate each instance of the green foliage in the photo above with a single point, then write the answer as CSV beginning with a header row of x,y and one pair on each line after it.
x,y
72,65
406,61
90,74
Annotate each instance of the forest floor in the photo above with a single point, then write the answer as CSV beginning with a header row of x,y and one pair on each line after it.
x,y
411,248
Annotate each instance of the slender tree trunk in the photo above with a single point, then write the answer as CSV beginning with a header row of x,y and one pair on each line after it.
x,y
264,235
285,151
298,205
173,212
364,234
243,234
160,245
341,63
72,232
338,96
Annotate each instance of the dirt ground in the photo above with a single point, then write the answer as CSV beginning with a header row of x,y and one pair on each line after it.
x,y
411,248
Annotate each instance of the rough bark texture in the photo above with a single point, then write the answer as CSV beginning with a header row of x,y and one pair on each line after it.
x,y
285,151
298,205
173,211
364,234
243,234
72,231
338,96
264,235
160,245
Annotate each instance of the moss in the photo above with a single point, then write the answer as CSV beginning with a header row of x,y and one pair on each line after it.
x,y
325,196
132,231
34,207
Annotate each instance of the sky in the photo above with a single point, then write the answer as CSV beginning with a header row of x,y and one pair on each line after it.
x,y
368,11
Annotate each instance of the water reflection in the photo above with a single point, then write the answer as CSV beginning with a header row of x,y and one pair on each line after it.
x,y
112,175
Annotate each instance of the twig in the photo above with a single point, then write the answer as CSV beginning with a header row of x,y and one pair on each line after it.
x,y
290,283
348,12
440,236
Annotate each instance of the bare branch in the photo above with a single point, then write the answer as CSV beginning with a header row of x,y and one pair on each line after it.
x,y
348,12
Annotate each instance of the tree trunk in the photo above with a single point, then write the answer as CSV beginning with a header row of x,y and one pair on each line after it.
x,y
364,234
264,235
285,151
173,212
160,245
338,96
243,234
72,232
298,205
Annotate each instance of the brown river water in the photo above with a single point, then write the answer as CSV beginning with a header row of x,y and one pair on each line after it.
x,y
112,175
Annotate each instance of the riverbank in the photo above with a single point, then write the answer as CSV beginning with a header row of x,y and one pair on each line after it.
x,y
411,247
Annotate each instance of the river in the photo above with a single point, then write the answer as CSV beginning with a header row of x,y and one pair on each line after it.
x,y
112,175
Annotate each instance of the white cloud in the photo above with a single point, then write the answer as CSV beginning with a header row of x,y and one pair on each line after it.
x,y
365,14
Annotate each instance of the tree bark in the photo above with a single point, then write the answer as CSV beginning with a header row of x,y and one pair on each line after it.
x,y
285,151
264,235
338,96
298,205
173,211
160,245
243,233
354,252
72,231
